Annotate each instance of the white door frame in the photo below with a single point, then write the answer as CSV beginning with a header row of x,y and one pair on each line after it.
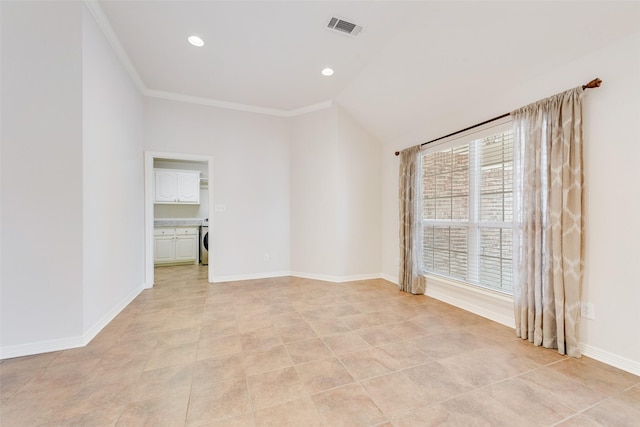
x,y
149,191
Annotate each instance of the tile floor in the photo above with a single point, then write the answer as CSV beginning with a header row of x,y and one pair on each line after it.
x,y
298,352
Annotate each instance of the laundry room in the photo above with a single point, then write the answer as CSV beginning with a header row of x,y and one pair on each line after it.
x,y
180,212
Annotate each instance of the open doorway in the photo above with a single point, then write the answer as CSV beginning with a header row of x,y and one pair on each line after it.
x,y
173,161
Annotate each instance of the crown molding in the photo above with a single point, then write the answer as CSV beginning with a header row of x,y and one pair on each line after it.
x,y
172,96
309,108
114,41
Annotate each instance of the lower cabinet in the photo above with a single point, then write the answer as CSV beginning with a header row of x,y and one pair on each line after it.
x,y
175,245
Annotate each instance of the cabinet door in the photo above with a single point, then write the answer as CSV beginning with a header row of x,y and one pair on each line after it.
x,y
166,186
164,248
188,187
186,248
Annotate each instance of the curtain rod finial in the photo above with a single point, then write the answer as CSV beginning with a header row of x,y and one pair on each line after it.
x,y
593,84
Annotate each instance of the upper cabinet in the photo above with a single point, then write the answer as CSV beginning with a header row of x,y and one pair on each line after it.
x,y
177,186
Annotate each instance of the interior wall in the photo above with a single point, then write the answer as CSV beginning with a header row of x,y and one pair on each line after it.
x,y
335,197
42,254
612,205
359,201
113,188
612,129
314,185
184,211
251,180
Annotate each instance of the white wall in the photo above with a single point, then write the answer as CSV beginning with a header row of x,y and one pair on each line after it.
x,y
72,179
314,185
612,159
359,200
335,197
42,218
113,188
612,155
291,187
251,177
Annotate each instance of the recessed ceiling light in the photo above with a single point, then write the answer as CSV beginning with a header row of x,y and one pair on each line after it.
x,y
327,72
196,41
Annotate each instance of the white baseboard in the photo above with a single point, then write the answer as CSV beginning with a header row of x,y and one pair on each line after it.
x,y
40,347
336,279
499,308
357,277
239,277
323,277
390,278
483,302
614,360
104,321
70,342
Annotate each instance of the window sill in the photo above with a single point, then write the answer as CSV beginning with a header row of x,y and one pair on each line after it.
x,y
484,302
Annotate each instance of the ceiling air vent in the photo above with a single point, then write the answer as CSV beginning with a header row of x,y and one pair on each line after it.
x,y
343,26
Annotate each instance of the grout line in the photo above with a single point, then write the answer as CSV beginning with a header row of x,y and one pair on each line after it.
x,y
631,386
582,411
166,296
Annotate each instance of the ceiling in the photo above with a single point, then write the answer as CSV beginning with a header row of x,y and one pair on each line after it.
x,y
413,59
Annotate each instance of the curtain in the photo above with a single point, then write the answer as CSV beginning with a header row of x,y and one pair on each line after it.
x,y
548,221
411,278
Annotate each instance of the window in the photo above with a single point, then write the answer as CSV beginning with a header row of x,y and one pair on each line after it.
x,y
467,189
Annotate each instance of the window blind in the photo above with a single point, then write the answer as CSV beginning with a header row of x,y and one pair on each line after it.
x,y
467,198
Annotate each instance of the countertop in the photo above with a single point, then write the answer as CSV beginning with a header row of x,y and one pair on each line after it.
x,y
172,222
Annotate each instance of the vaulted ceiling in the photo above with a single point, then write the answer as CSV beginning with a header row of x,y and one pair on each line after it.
x,y
412,59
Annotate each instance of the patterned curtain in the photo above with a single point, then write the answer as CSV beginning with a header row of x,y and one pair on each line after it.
x,y
548,221
411,278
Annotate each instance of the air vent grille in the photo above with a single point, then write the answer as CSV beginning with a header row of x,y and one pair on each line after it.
x,y
343,26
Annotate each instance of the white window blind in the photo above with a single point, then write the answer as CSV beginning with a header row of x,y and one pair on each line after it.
x,y
467,195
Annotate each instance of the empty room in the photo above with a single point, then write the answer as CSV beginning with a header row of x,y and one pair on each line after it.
x,y
319,213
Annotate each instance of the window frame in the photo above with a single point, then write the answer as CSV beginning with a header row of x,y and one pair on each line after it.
x,y
473,223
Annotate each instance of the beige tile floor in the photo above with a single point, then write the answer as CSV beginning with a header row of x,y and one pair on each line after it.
x,y
298,352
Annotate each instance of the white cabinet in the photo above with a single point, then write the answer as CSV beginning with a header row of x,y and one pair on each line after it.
x,y
166,186
175,245
177,186
186,247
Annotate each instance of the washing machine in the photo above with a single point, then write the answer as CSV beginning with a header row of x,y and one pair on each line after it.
x,y
204,242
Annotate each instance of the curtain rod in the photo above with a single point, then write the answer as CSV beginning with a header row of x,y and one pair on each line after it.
x,y
591,85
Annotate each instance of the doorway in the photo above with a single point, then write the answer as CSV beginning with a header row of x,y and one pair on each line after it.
x,y
150,158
